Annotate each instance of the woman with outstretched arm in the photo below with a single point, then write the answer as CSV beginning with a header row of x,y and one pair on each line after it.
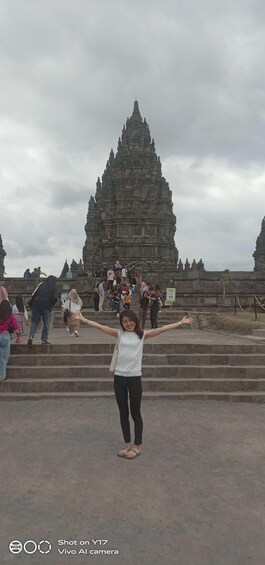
x,y
128,372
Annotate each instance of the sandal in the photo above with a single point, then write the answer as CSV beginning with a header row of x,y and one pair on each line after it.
x,y
136,453
123,451
45,342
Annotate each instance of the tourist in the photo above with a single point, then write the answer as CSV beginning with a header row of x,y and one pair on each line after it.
x,y
101,291
8,325
128,372
143,305
27,274
110,279
158,291
160,296
96,298
117,272
133,283
154,307
127,300
125,288
104,272
72,305
20,312
123,275
117,298
144,287
117,266
42,300
3,294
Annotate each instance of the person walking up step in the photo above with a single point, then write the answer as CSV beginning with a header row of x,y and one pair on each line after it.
x,y
43,299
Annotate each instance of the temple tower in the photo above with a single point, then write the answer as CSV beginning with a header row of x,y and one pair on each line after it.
x,y
259,253
131,217
2,256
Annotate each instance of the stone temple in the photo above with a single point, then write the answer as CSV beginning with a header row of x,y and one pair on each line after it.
x,y
259,253
131,216
2,256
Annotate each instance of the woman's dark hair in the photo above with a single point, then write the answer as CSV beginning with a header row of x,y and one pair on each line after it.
x,y
19,303
132,316
5,310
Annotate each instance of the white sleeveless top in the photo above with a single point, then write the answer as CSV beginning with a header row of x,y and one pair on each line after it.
x,y
130,355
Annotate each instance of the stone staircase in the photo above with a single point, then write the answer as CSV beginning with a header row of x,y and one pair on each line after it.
x,y
170,370
109,317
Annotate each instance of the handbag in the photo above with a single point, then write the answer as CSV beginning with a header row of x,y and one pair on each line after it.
x,y
114,358
67,313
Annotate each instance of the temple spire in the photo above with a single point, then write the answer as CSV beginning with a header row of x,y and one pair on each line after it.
x,y
136,111
2,256
259,253
131,217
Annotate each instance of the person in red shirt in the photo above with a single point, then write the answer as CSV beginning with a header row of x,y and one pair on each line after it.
x,y
8,325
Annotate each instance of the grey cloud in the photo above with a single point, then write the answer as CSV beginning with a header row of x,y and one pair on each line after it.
x,y
16,249
194,89
63,195
70,72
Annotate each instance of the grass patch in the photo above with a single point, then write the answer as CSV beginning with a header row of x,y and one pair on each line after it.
x,y
242,323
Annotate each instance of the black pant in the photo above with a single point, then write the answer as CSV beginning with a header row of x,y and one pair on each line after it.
x,y
153,317
121,387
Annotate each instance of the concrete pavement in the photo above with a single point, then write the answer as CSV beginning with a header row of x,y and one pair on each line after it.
x,y
195,496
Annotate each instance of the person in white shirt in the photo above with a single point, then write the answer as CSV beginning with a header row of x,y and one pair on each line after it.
x,y
110,279
101,291
124,275
128,372
72,305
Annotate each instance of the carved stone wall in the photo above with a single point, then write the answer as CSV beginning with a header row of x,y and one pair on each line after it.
x,y
201,290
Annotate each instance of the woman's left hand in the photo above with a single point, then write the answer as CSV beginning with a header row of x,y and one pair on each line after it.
x,y
186,320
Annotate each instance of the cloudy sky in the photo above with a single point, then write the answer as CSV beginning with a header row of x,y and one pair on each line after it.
x,y
70,72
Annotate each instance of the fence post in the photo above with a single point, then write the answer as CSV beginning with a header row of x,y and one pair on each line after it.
x,y
255,308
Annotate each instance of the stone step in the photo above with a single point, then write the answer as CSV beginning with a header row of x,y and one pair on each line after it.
x,y
149,347
106,385
170,370
116,324
77,359
149,371
260,332
89,313
112,313
250,396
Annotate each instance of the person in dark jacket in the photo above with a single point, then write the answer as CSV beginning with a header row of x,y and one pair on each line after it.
x,y
43,299
154,308
143,305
